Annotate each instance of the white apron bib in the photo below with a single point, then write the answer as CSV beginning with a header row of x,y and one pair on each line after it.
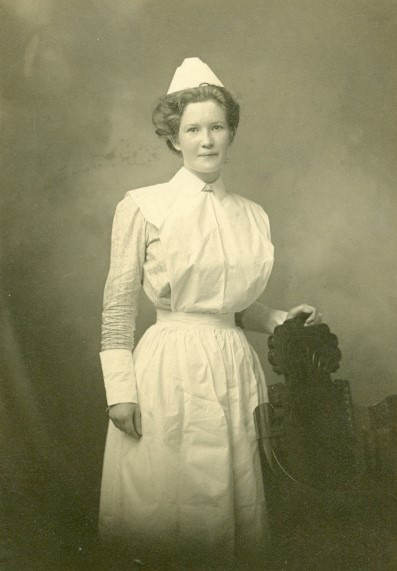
x,y
218,250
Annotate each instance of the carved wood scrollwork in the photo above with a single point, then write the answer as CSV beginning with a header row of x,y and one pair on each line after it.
x,y
304,354
329,468
313,428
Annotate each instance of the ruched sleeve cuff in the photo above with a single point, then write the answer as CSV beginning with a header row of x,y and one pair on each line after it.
x,y
119,376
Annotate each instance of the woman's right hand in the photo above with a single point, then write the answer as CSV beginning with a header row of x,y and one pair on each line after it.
x,y
126,416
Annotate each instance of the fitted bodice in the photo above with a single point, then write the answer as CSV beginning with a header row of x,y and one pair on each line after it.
x,y
193,251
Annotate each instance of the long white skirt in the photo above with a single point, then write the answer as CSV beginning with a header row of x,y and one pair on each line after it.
x,y
191,487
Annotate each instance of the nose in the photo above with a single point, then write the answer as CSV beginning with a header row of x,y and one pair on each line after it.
x,y
206,139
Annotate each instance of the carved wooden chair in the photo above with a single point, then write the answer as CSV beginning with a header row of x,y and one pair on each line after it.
x,y
329,468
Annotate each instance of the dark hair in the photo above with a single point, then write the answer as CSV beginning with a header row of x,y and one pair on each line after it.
x,y
169,110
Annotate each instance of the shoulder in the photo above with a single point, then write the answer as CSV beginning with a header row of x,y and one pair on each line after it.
x,y
130,207
152,201
250,205
147,192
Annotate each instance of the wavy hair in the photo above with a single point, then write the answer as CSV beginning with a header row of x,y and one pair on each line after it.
x,y
168,111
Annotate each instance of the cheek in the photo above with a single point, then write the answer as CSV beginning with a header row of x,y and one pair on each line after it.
x,y
226,142
189,146
187,149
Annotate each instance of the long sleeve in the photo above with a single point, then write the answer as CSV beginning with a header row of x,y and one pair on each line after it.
x,y
121,302
261,318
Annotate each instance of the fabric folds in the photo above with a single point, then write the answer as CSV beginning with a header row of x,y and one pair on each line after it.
x,y
193,480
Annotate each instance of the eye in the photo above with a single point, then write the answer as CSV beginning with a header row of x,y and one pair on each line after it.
x,y
218,127
191,130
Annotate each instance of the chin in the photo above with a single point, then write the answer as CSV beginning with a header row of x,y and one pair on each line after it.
x,y
208,168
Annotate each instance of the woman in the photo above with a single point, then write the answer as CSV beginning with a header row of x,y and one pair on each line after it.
x,y
181,471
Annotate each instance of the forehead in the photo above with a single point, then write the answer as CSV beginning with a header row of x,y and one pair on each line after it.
x,y
203,111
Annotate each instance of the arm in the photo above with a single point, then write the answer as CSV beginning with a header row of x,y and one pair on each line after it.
x,y
261,318
121,304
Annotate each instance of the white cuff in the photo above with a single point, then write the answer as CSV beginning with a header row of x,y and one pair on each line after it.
x,y
119,376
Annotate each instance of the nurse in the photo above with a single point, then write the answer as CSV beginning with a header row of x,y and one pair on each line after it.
x,y
181,477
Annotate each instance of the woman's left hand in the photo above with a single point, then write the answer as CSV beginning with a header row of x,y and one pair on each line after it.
x,y
314,315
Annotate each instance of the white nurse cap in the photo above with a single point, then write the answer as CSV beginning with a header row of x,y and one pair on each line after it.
x,y
192,73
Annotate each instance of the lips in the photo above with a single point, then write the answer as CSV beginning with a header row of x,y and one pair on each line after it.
x,y
209,155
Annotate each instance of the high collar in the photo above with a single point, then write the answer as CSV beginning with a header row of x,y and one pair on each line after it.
x,y
188,182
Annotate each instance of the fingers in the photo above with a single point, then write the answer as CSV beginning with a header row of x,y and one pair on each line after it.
x,y
127,418
133,424
118,424
314,316
129,427
319,318
298,309
311,320
137,420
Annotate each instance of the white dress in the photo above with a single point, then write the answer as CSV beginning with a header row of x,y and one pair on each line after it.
x,y
192,485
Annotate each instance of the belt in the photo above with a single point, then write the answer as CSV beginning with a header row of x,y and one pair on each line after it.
x,y
195,320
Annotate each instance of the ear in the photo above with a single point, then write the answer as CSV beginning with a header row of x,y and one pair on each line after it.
x,y
175,143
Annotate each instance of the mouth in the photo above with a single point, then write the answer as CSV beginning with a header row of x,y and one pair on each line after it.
x,y
209,155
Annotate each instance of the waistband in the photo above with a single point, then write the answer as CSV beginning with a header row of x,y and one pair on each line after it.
x,y
195,320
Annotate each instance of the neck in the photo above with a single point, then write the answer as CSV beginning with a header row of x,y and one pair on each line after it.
x,y
207,177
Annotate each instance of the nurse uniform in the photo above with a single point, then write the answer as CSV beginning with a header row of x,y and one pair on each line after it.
x,y
192,484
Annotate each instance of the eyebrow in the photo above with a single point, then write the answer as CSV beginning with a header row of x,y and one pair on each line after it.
x,y
198,124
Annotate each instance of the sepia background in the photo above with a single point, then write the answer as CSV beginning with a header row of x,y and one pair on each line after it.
x,y
316,81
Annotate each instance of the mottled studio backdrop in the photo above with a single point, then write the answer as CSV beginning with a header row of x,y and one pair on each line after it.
x,y
317,84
